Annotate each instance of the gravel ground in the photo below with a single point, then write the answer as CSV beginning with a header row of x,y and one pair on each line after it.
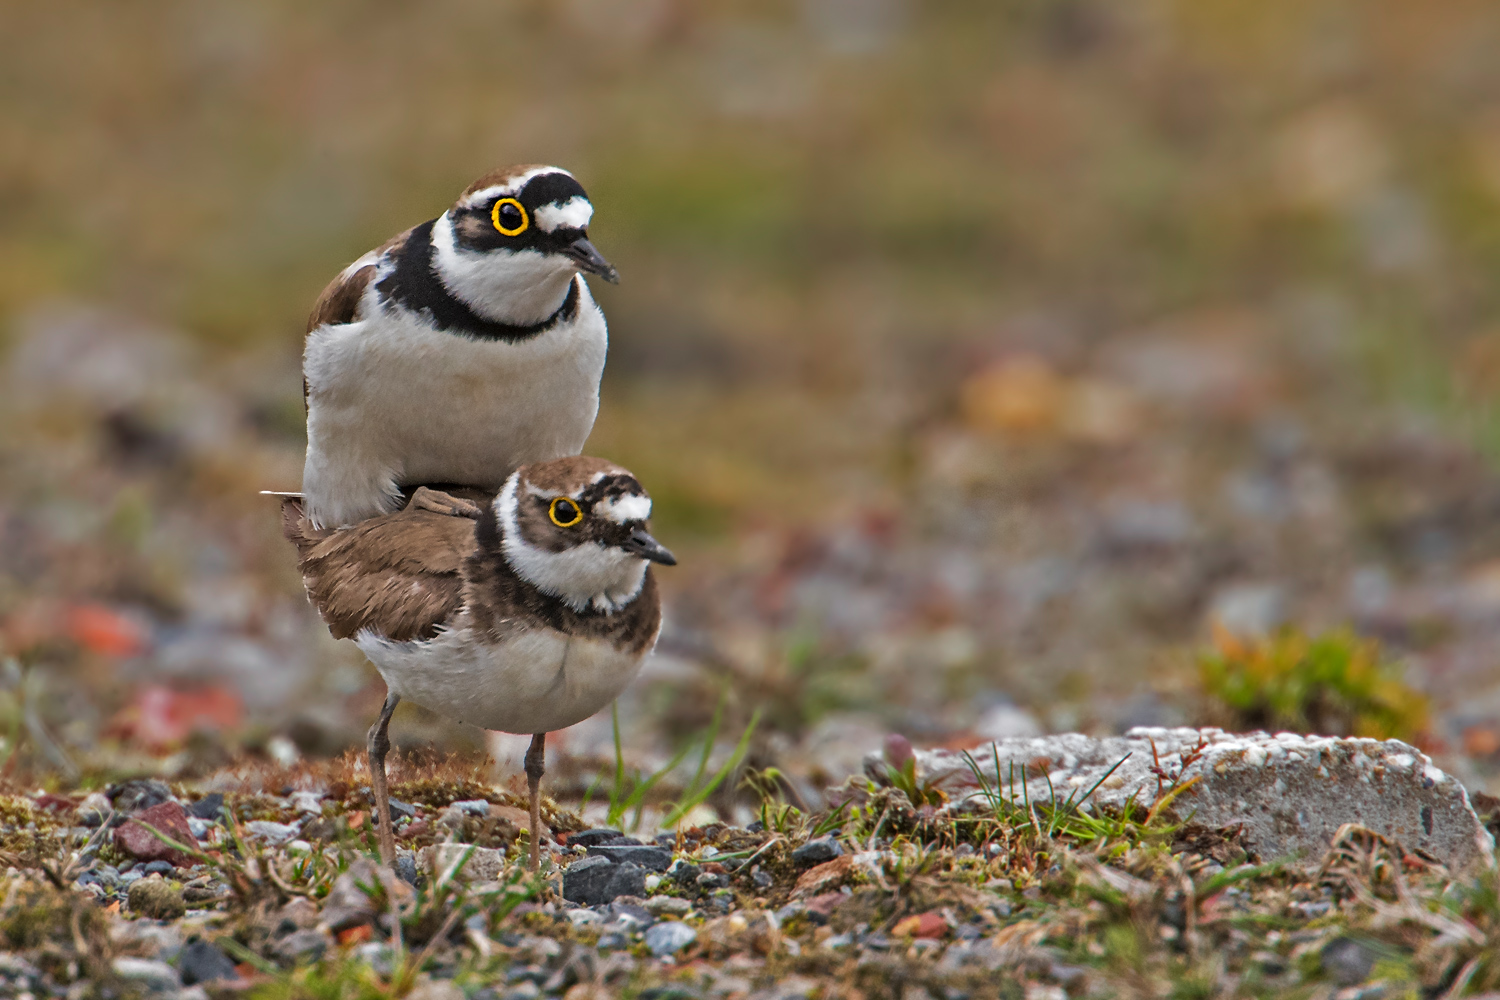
x,y
276,894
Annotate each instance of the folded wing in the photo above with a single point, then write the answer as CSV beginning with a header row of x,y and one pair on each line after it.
x,y
399,575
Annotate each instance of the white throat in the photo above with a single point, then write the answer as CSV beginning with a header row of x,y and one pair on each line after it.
x,y
585,576
521,288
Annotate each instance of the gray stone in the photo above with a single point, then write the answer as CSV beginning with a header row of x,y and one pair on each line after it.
x,y
631,917
308,802
348,904
137,794
93,809
668,906
149,974
1291,793
203,962
271,832
669,937
590,838
594,881
648,856
815,852
485,864
474,807
1347,961
208,807
303,947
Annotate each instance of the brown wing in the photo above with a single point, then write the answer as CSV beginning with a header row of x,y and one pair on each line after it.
x,y
399,575
339,302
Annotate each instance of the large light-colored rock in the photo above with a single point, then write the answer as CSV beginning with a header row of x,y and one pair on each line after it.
x,y
1290,792
485,864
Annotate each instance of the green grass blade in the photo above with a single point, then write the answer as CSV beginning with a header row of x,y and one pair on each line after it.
x,y
697,796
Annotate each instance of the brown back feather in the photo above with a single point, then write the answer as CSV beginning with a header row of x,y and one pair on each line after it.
x,y
399,575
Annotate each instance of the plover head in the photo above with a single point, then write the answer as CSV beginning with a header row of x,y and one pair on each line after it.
x,y
577,529
514,240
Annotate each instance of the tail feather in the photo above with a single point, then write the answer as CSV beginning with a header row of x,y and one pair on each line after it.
x,y
296,527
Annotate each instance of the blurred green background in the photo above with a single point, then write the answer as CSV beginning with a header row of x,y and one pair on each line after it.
x,y
1007,289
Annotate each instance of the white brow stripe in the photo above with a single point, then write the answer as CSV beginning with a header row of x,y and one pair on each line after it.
x,y
571,214
485,195
624,509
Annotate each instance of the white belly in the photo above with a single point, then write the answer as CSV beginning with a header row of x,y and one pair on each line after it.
x,y
392,403
537,681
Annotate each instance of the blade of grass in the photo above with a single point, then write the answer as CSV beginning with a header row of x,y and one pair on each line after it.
x,y
637,799
696,796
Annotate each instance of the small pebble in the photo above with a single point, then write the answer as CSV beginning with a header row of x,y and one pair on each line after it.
x,y
669,937
668,906
308,802
271,833
816,852
208,807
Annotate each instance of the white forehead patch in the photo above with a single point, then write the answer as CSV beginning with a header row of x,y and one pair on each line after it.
x,y
624,509
486,195
571,214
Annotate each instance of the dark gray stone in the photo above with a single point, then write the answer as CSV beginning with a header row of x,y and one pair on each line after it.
x,y
399,808
633,916
203,962
137,794
595,837
595,880
158,868
648,856
208,807
816,852
406,869
685,874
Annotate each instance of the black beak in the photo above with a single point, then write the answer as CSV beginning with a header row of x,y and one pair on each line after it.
x,y
642,544
582,252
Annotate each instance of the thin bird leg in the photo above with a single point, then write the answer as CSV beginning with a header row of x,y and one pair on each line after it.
x,y
378,744
535,757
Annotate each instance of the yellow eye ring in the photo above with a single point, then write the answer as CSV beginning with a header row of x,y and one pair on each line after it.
x,y
495,217
569,515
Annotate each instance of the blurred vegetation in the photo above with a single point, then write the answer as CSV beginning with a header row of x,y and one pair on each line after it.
x,y
971,352
1335,684
818,206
